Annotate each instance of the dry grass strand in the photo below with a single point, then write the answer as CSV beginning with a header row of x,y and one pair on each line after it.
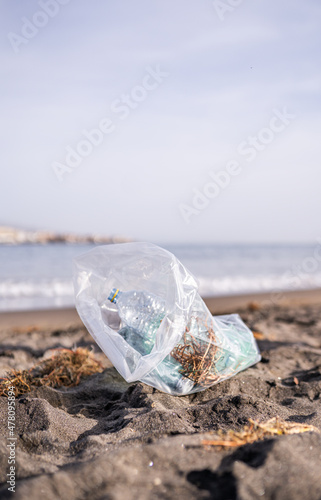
x,y
257,431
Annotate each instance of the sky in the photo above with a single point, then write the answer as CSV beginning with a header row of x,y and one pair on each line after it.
x,y
181,121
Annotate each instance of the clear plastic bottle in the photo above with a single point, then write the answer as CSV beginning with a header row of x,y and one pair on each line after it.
x,y
142,312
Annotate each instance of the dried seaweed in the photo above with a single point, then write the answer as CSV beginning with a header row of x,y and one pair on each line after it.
x,y
66,367
257,431
198,357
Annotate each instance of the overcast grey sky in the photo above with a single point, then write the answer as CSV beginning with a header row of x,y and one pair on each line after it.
x,y
168,121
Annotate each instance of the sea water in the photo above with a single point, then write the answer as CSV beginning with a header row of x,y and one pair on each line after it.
x,y
40,276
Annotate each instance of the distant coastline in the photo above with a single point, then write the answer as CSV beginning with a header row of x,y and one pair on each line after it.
x,y
14,236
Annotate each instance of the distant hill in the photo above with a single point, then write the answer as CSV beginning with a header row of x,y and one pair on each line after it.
x,y
14,236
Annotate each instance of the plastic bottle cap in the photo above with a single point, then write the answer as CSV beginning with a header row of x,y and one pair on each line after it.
x,y
113,294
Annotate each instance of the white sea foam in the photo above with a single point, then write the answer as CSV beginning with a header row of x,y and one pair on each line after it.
x,y
31,294
230,285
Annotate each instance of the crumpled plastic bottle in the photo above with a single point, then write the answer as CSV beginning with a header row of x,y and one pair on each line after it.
x,y
143,312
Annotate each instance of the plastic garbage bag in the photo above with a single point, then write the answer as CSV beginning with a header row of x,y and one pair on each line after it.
x,y
142,307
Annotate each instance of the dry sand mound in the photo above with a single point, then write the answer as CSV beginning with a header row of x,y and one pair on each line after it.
x,y
106,439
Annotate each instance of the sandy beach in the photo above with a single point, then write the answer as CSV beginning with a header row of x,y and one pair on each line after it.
x,y
106,439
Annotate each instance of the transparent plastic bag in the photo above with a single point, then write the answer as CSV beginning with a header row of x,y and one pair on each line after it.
x,y
142,307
